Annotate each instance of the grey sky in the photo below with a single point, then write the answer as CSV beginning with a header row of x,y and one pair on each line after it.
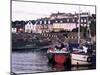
x,y
31,11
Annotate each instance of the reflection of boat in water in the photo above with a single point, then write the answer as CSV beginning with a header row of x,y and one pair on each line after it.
x,y
59,55
61,67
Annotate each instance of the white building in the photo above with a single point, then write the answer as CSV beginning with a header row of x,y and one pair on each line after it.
x,y
67,24
60,15
43,25
14,30
68,21
29,27
63,21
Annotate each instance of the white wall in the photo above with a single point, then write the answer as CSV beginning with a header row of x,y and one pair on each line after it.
x,y
14,30
29,27
65,26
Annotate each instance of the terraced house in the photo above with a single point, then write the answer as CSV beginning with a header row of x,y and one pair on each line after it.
x,y
44,25
58,22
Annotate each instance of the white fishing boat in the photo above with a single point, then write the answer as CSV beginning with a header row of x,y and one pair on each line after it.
x,y
81,57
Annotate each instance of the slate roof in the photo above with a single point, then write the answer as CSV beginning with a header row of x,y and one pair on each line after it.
x,y
44,21
48,21
19,24
32,21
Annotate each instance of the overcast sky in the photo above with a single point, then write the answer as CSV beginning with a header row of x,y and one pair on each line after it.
x,y
31,10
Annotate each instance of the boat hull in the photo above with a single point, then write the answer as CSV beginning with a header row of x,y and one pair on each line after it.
x,y
79,59
59,58
50,58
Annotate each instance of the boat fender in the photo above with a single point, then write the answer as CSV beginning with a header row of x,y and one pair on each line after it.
x,y
89,59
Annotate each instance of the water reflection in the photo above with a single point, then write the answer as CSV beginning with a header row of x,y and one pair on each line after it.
x,y
36,61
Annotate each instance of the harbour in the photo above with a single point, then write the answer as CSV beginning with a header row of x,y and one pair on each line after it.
x,y
62,40
31,58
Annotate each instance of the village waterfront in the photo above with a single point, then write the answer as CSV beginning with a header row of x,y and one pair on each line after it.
x,y
30,56
59,41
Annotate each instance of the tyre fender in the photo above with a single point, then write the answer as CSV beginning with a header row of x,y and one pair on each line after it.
x,y
89,59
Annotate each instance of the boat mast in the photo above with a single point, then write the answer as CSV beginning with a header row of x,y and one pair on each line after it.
x,y
88,24
79,27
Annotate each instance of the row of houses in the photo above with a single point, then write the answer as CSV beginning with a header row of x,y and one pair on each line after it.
x,y
56,22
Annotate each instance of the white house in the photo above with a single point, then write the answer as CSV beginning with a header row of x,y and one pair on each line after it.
x,y
14,30
29,27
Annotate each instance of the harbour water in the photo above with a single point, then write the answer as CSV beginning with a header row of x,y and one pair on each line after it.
x,y
35,62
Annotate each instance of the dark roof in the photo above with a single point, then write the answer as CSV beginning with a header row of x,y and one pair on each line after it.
x,y
84,13
65,20
64,14
19,24
44,21
32,21
94,16
55,14
48,21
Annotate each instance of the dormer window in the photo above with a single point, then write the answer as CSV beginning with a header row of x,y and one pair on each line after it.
x,y
84,20
81,20
73,20
61,21
40,22
49,22
67,20
56,21
44,22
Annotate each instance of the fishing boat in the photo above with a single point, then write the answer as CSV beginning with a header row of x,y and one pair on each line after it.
x,y
81,56
58,55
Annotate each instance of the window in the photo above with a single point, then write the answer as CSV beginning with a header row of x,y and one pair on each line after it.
x,y
84,20
61,21
40,22
44,22
84,25
49,22
29,26
81,24
67,20
73,20
88,25
56,21
81,20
